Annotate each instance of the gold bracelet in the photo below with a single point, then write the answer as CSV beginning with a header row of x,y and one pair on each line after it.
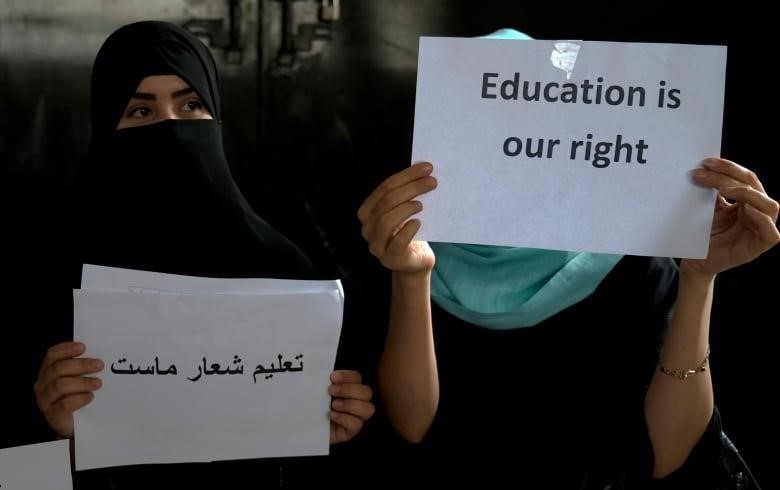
x,y
682,373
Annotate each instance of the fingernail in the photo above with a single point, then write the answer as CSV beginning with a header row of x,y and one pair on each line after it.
x,y
335,377
426,167
338,403
97,365
96,383
334,389
698,173
711,162
78,347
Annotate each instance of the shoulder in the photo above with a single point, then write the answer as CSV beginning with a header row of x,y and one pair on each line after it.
x,y
655,276
642,288
654,269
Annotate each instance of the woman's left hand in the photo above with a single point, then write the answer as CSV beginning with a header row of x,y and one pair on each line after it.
x,y
742,229
351,405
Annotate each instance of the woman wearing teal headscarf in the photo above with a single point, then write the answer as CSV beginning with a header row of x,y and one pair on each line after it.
x,y
575,370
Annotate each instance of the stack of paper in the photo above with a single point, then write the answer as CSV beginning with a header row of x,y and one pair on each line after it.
x,y
202,369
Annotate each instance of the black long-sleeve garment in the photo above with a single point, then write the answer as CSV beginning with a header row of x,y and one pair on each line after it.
x,y
559,405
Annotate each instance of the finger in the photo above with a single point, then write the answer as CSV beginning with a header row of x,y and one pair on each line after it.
x,y
721,203
381,228
389,225
393,182
724,219
358,408
708,178
405,193
65,406
62,387
755,198
350,425
59,352
346,376
763,226
69,368
404,237
338,433
735,171
334,432
351,390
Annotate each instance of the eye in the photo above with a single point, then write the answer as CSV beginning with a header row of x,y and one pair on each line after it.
x,y
139,112
192,105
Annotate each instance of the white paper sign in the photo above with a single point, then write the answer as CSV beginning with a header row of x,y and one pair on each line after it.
x,y
44,466
193,378
569,145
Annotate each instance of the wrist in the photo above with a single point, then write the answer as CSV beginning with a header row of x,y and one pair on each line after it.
x,y
412,280
689,277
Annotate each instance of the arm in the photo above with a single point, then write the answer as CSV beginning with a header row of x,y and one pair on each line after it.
x,y
408,380
407,371
677,411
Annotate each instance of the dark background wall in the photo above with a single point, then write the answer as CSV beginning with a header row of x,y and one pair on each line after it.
x,y
319,111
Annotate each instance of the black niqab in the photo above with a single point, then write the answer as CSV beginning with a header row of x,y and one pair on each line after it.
x,y
161,197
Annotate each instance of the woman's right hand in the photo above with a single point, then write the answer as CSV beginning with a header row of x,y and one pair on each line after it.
x,y
62,387
387,227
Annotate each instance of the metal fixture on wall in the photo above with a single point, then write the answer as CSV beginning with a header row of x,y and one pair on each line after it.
x,y
301,26
217,37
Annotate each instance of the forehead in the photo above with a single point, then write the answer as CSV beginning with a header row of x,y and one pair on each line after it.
x,y
161,84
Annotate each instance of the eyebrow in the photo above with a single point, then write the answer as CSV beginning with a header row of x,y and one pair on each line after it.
x,y
176,94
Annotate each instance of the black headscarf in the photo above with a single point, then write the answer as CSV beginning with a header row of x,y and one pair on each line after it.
x,y
161,197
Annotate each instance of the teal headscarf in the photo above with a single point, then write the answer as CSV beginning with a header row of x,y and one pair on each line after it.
x,y
504,287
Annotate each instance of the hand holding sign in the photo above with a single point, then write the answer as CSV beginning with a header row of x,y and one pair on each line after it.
x,y
742,230
64,385
351,405
386,224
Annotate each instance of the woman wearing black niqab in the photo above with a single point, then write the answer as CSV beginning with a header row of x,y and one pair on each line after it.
x,y
156,193
160,196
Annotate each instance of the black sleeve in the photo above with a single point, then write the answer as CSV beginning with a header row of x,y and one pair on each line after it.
x,y
701,469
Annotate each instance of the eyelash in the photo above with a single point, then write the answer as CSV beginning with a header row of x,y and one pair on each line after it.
x,y
190,105
133,110
196,104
